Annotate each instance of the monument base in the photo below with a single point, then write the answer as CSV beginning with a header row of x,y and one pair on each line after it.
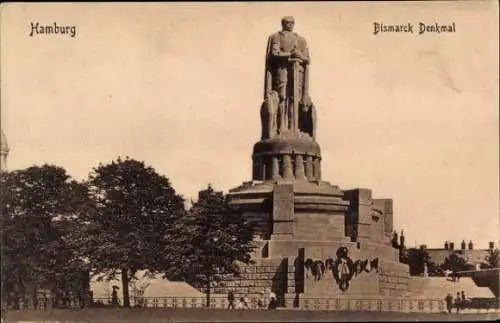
x,y
322,242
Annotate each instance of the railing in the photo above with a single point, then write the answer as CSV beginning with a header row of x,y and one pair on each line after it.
x,y
379,305
478,270
333,304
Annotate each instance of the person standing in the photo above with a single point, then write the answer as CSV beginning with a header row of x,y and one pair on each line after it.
x,y
230,300
245,302
449,302
241,304
260,301
114,296
458,302
273,302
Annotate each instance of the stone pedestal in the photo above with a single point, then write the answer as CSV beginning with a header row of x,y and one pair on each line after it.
x,y
289,158
308,221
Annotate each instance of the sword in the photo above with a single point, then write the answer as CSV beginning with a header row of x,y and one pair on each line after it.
x,y
295,110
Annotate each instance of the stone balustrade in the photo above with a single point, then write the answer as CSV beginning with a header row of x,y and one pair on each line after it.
x,y
219,301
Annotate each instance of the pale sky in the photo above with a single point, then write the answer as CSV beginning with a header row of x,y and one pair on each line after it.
x,y
412,117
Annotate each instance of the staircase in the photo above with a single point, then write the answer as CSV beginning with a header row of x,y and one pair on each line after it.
x,y
439,287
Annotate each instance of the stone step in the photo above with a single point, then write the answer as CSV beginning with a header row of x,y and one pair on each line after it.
x,y
439,287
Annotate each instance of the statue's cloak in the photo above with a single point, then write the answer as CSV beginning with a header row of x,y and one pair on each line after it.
x,y
268,76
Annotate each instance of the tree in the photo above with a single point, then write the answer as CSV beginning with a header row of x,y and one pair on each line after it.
x,y
455,263
39,205
434,269
134,224
216,238
403,255
416,258
492,259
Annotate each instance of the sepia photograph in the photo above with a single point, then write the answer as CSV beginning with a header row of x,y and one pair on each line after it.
x,y
250,161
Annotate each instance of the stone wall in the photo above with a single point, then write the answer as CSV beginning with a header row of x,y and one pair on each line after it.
x,y
261,222
394,278
388,278
360,211
386,207
262,277
316,226
289,248
283,211
367,218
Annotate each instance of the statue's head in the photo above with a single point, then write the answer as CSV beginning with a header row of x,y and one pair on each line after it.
x,y
287,23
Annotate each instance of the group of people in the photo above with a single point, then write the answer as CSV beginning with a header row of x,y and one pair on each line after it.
x,y
459,301
452,275
242,303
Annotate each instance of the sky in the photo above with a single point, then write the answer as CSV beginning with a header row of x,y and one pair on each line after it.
x,y
179,86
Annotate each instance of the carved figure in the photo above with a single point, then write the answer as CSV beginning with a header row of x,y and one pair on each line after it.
x,y
374,264
343,269
315,268
307,118
329,264
319,269
268,115
366,266
308,266
358,267
344,273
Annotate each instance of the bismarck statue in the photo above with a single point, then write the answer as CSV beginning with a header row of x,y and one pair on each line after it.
x,y
287,110
288,149
316,239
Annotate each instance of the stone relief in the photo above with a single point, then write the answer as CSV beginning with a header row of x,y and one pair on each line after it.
x,y
314,268
343,268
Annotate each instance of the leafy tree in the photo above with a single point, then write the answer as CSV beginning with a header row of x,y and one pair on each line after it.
x,y
434,269
134,223
456,263
416,258
216,238
492,259
39,205
403,255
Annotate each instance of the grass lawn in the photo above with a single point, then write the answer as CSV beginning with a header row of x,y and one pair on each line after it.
x,y
219,315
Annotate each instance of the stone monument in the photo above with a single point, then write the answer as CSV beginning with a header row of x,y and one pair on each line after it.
x,y
313,239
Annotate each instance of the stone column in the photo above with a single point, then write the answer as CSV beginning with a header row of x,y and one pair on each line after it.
x,y
275,167
316,169
255,168
287,167
319,168
3,165
263,168
299,167
309,167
